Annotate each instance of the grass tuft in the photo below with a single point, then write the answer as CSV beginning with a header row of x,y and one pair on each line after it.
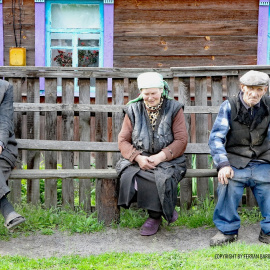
x,y
46,221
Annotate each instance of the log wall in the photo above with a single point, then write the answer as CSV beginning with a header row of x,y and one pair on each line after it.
x,y
27,24
171,33
164,33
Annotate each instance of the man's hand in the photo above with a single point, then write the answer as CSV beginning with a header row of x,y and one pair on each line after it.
x,y
144,162
225,173
1,149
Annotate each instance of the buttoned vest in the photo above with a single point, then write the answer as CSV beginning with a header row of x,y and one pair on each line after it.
x,y
247,139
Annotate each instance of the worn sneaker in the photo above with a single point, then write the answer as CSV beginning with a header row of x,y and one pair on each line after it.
x,y
221,239
265,238
150,226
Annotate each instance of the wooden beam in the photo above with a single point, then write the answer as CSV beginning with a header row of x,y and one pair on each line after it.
x,y
47,107
87,72
91,173
83,146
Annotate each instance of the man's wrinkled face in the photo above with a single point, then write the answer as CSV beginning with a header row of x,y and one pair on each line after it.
x,y
253,94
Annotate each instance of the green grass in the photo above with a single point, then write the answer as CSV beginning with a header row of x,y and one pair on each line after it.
x,y
46,221
242,256
200,214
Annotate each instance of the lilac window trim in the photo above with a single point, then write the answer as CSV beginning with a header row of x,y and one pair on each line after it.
x,y
262,51
1,35
40,34
108,35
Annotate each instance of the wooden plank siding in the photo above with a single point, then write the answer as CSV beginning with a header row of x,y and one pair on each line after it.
x,y
201,89
161,34
28,29
185,33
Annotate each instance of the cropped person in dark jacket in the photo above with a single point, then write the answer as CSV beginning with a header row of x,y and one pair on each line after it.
x,y
152,142
8,154
239,143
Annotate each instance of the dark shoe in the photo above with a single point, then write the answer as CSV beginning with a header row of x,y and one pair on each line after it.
x,y
150,226
221,239
265,238
13,220
174,217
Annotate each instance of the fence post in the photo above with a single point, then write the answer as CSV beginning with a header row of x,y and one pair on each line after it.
x,y
117,120
84,157
15,185
106,199
201,134
33,132
50,134
186,183
67,135
216,100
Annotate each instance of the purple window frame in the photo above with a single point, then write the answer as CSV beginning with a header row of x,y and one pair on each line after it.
x,y
1,35
262,51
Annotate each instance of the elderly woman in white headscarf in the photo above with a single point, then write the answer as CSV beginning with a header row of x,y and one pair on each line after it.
x,y
152,142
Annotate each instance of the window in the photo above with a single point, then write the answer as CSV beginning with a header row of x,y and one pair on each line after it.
x,y
74,34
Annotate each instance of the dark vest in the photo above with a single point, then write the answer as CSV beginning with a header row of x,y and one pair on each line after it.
x,y
143,136
247,137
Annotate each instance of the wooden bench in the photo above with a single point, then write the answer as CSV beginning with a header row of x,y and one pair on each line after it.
x,y
72,130
91,147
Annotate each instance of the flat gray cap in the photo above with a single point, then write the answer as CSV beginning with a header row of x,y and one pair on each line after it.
x,y
255,78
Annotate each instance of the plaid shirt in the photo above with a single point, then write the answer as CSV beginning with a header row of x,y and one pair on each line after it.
x,y
218,135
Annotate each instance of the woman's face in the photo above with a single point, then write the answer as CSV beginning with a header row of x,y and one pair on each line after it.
x,y
151,96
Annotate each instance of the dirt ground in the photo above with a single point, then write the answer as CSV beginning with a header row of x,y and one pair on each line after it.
x,y
118,240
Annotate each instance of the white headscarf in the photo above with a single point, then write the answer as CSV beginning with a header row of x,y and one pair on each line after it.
x,y
150,80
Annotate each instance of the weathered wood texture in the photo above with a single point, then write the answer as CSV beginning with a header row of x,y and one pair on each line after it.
x,y
201,133
160,33
84,157
27,26
201,89
185,33
216,99
68,135
51,134
33,132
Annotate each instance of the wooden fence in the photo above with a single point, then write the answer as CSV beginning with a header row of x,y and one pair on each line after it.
x,y
80,132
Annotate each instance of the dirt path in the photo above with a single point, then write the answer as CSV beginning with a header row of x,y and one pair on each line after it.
x,y
118,240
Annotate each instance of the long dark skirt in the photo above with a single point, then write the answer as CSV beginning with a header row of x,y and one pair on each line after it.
x,y
147,194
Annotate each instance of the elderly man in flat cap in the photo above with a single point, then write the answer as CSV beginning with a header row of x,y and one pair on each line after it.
x,y
239,143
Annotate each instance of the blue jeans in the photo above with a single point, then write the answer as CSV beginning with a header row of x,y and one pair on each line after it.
x,y
256,176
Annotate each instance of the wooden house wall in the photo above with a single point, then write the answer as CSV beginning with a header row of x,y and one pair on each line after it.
x,y
27,33
164,33
170,33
